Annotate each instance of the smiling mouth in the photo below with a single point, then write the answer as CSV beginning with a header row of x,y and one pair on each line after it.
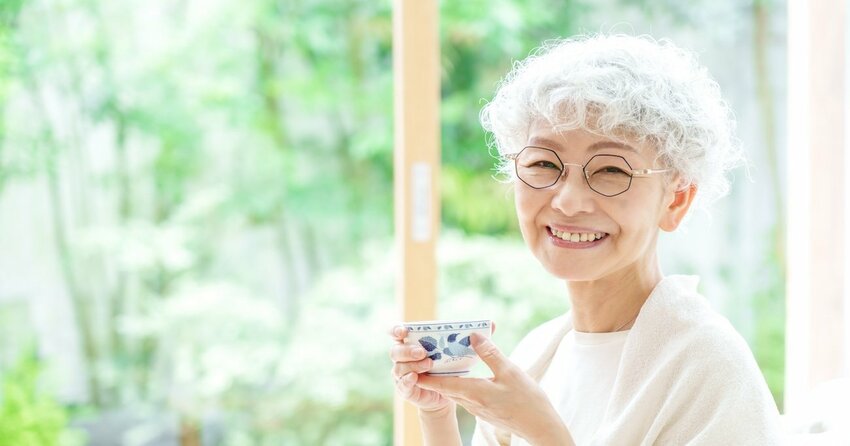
x,y
576,237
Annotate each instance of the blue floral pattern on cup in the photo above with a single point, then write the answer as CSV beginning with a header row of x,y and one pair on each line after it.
x,y
449,345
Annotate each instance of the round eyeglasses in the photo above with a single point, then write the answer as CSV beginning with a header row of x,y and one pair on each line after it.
x,y
607,175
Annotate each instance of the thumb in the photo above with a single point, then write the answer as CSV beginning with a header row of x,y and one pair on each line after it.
x,y
489,353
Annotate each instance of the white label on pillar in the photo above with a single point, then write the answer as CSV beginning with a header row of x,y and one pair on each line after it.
x,y
420,202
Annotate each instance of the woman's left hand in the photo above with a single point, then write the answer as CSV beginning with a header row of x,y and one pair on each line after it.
x,y
510,400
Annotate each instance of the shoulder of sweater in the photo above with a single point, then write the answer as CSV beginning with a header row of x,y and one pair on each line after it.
x,y
696,350
686,318
718,340
718,345
717,364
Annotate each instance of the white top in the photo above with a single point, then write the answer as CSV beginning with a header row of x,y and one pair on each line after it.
x,y
580,378
681,375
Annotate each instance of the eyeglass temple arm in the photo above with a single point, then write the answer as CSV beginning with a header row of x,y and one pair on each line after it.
x,y
647,172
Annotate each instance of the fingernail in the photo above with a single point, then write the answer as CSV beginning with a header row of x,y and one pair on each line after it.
x,y
418,351
408,378
477,339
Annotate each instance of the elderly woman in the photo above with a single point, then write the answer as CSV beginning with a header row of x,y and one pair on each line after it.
x,y
607,140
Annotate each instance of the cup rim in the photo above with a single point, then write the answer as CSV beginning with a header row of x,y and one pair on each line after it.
x,y
447,322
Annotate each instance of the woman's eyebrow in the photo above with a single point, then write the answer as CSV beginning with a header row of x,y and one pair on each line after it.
x,y
547,142
593,147
611,145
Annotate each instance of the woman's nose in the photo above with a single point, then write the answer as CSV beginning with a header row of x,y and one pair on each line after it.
x,y
572,194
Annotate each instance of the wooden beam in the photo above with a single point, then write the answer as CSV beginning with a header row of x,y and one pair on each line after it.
x,y
416,70
817,321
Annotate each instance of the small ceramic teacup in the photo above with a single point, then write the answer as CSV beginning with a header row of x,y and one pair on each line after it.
x,y
447,343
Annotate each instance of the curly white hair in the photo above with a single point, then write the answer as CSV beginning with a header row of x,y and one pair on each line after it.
x,y
626,88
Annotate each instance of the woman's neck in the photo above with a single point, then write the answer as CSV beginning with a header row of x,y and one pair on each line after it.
x,y
613,302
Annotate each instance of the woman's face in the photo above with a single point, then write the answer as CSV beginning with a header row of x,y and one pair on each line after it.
x,y
628,222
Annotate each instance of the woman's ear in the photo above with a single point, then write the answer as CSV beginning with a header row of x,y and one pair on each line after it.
x,y
677,206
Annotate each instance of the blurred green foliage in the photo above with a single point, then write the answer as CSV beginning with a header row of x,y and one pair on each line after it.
x,y
30,416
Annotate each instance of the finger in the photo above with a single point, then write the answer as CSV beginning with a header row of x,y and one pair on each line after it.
x,y
492,328
450,386
403,368
405,385
398,332
421,397
490,354
392,329
406,352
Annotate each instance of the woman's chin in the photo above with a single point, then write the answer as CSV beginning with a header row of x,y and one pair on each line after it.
x,y
572,274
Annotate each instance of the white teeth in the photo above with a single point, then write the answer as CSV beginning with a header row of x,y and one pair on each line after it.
x,y
578,236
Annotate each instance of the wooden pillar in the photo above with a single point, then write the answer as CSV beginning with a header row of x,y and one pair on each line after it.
x,y
416,70
817,316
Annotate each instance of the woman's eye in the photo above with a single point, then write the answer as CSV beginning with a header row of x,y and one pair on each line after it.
x,y
545,165
611,170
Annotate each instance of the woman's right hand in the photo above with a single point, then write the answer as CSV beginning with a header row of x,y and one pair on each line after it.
x,y
409,361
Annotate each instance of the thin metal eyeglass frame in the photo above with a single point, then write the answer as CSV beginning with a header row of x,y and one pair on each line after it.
x,y
633,173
